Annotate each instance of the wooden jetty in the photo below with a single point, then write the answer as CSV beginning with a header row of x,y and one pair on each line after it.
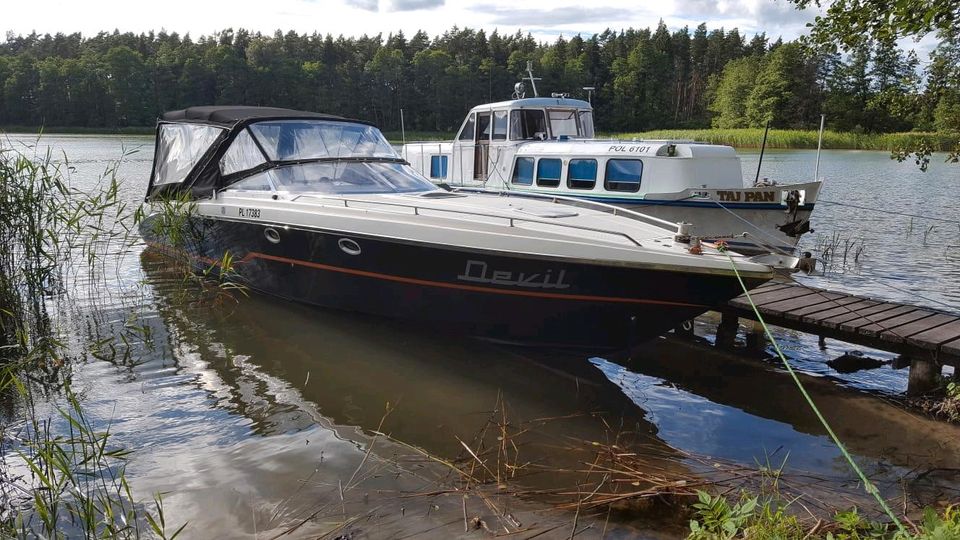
x,y
926,339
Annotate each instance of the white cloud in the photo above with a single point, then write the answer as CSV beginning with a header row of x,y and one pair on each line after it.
x,y
369,5
546,19
413,5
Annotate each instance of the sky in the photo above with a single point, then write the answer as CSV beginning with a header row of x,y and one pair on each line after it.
x,y
544,19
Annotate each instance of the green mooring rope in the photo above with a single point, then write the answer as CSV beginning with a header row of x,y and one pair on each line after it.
x,y
867,484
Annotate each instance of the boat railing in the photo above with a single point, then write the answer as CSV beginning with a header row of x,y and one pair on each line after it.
x,y
579,203
511,220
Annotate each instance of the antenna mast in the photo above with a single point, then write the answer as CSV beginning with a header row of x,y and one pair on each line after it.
x,y
531,78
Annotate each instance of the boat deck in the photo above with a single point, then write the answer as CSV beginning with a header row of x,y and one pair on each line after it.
x,y
912,331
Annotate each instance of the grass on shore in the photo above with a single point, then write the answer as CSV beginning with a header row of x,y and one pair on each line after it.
x,y
803,139
741,138
752,138
396,137
80,130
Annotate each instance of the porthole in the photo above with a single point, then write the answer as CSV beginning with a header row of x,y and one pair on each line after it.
x,y
350,247
272,235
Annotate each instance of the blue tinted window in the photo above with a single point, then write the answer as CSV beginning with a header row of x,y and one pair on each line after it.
x,y
438,166
523,171
548,172
582,173
623,175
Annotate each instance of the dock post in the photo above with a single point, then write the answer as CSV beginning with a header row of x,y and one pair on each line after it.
x,y
900,362
922,377
757,339
727,330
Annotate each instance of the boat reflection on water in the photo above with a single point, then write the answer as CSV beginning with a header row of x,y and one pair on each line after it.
x,y
298,391
285,388
351,367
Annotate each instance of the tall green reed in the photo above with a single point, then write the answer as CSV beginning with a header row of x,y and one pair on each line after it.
x,y
806,139
74,481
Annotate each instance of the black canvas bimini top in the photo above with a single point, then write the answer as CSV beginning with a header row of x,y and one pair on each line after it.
x,y
228,121
228,115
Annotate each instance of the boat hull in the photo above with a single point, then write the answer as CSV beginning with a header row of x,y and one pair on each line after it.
x,y
727,223
526,299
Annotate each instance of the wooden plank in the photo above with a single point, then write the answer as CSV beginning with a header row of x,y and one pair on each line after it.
x,y
873,330
742,303
845,309
853,312
952,348
781,294
791,304
900,333
798,314
890,311
770,286
931,339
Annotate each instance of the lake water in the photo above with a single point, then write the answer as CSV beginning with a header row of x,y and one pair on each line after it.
x,y
255,416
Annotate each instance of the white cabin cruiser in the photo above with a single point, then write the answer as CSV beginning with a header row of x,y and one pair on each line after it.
x,y
319,209
547,146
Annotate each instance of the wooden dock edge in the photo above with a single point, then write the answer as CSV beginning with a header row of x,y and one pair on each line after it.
x,y
925,338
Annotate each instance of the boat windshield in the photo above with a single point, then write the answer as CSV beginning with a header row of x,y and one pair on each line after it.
x,y
338,178
292,140
586,124
565,122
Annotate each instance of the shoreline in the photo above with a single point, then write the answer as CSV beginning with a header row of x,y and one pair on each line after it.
x,y
785,139
791,139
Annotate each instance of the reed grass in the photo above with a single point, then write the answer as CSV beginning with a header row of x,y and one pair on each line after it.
x,y
622,474
76,483
803,139
79,130
397,137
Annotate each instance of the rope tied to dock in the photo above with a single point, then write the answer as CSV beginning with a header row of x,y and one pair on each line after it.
x,y
868,486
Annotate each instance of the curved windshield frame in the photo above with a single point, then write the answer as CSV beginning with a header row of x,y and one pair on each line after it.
x,y
307,139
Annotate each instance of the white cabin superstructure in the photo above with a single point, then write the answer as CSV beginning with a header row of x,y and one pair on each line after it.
x,y
490,131
548,146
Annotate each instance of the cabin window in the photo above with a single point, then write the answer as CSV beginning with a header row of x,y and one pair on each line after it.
x,y
349,177
564,122
500,125
586,124
294,140
483,127
523,171
258,182
466,132
242,155
438,166
548,172
179,149
582,174
623,175
526,124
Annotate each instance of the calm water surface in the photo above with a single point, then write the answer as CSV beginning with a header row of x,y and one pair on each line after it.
x,y
251,415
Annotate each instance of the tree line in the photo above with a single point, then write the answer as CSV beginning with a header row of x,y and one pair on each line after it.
x,y
644,79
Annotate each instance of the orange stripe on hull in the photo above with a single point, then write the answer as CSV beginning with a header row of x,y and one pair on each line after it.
x,y
472,288
440,284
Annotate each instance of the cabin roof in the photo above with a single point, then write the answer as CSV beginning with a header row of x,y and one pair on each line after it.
x,y
536,102
228,115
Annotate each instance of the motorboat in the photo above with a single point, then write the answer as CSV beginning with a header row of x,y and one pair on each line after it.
x,y
320,209
547,145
